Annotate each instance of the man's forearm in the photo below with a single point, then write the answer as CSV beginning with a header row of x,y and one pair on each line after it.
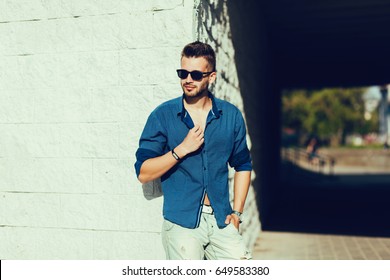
x,y
242,181
154,168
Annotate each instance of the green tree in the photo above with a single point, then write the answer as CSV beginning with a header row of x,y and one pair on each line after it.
x,y
295,109
331,114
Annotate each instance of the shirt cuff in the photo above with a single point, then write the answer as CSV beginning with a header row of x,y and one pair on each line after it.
x,y
244,167
142,155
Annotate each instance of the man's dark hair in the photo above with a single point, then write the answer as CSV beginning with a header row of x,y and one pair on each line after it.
x,y
199,49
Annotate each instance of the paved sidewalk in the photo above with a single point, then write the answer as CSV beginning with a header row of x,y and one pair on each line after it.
x,y
305,246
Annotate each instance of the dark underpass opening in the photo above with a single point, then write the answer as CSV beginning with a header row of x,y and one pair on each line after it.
x,y
335,162
286,44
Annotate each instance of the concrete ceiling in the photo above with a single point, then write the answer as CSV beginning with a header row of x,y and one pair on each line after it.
x,y
329,42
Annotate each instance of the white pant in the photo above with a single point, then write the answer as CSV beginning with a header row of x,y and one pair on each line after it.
x,y
207,241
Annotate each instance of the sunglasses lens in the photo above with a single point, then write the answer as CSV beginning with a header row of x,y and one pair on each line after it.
x,y
182,73
196,75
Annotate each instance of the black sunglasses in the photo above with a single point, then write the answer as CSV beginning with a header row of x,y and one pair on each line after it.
x,y
195,75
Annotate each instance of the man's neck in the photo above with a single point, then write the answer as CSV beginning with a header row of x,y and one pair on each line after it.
x,y
198,103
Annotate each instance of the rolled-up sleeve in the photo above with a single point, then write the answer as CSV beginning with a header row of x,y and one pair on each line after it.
x,y
240,159
152,142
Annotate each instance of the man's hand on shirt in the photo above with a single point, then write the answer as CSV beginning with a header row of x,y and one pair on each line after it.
x,y
192,142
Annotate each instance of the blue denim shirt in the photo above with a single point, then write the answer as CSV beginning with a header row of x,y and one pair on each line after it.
x,y
203,171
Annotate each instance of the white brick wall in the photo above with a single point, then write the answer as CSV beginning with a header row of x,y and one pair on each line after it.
x,y
77,82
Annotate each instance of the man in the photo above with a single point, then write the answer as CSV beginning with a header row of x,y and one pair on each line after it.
x,y
188,142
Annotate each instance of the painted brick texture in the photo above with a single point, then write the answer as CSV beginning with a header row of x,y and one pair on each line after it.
x,y
77,82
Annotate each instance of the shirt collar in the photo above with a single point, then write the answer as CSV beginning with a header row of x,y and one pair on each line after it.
x,y
214,110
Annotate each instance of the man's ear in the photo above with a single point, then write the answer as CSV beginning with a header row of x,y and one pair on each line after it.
x,y
212,77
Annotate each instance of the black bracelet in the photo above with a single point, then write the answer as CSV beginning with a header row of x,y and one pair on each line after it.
x,y
175,155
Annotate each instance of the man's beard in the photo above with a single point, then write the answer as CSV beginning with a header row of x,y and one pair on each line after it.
x,y
195,93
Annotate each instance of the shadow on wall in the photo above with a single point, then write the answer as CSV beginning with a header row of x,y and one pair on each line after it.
x,y
253,61
152,189
214,27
